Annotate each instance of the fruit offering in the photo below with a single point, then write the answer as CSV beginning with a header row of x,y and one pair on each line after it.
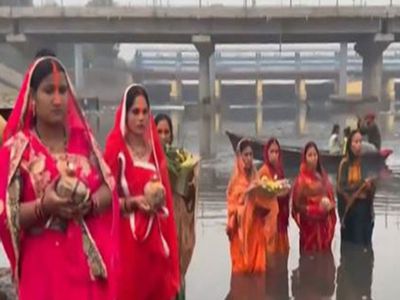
x,y
181,166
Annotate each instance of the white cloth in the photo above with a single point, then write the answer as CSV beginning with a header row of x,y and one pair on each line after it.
x,y
334,144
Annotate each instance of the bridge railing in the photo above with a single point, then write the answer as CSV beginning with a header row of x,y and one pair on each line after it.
x,y
208,3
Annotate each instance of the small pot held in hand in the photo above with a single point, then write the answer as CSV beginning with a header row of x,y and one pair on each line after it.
x,y
325,203
73,188
154,192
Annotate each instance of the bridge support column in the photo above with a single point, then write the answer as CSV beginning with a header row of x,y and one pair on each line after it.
x,y
259,91
342,88
206,48
176,115
371,50
176,91
259,108
79,76
217,89
301,90
218,112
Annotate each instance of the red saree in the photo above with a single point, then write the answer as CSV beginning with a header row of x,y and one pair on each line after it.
x,y
49,262
316,226
148,243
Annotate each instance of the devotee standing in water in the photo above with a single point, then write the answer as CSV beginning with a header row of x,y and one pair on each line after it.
x,y
355,191
272,169
58,209
313,203
246,215
149,266
184,199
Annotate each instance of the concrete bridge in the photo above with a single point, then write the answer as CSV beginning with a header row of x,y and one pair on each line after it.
x,y
180,24
372,29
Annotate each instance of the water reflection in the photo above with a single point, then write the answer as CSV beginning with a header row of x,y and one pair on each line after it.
x,y
259,118
355,273
247,287
277,281
302,119
176,119
315,277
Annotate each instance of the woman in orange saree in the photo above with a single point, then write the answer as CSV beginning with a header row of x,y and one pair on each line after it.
x,y
313,203
277,237
148,240
60,246
246,215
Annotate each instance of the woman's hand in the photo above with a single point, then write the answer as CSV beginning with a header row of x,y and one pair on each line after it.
x,y
231,227
330,206
229,232
369,183
130,204
251,187
83,208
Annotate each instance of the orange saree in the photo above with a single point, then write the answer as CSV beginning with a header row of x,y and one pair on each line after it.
x,y
246,222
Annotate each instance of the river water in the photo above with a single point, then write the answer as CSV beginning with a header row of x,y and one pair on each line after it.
x,y
363,276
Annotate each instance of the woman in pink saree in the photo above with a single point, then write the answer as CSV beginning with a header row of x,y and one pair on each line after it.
x,y
149,268
58,247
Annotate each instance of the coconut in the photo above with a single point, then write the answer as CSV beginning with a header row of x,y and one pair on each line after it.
x,y
154,192
71,187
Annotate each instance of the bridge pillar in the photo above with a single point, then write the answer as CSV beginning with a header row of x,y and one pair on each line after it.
x,y
176,91
342,88
217,89
259,108
259,91
301,89
218,112
79,74
206,48
176,115
371,50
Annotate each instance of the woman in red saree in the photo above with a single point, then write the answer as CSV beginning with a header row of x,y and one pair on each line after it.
x,y
58,248
148,241
247,215
273,170
313,203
